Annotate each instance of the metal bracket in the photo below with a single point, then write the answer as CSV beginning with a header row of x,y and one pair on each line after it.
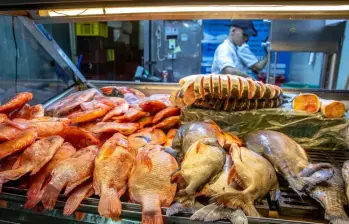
x,y
53,49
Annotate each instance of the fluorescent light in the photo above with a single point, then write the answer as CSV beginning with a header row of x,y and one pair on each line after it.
x,y
75,12
224,8
194,8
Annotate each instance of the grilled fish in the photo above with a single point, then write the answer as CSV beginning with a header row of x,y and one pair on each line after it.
x,y
331,195
214,212
250,178
203,162
150,185
189,133
112,169
288,158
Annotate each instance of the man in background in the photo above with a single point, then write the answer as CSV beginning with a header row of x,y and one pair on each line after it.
x,y
234,56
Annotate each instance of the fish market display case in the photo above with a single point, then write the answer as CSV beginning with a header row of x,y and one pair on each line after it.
x,y
290,208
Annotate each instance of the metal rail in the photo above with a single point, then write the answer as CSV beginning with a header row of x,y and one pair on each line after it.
x,y
53,49
130,211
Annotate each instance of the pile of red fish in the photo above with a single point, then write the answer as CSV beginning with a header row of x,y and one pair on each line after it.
x,y
91,143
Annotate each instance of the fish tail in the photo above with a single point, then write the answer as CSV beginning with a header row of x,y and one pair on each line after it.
x,y
214,212
151,211
33,200
109,204
76,198
50,195
35,187
337,219
237,199
12,175
307,183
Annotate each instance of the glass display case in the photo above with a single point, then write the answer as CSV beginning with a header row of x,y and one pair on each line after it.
x,y
53,48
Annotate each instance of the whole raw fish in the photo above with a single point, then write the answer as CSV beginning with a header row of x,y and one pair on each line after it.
x,y
331,195
150,183
37,181
202,163
33,158
69,174
288,158
112,169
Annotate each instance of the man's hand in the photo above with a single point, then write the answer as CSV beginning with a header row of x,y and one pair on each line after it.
x,y
233,71
260,65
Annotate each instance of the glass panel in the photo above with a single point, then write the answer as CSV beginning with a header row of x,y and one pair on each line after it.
x,y
33,70
309,53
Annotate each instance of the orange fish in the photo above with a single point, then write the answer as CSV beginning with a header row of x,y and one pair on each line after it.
x,y
70,102
130,116
112,169
29,112
152,106
118,110
144,121
78,137
123,128
150,184
42,128
168,123
170,136
8,132
108,90
38,180
93,105
83,191
33,158
3,117
16,102
20,142
7,163
69,173
88,115
165,113
154,137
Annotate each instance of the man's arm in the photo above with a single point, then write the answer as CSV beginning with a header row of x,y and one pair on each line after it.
x,y
233,71
260,65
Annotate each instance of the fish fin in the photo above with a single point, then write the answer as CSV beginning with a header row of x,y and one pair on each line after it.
x,y
237,199
76,198
122,191
146,160
71,185
17,164
275,192
232,174
33,200
79,216
312,168
15,174
50,195
337,219
213,212
203,212
177,177
35,186
109,204
177,207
